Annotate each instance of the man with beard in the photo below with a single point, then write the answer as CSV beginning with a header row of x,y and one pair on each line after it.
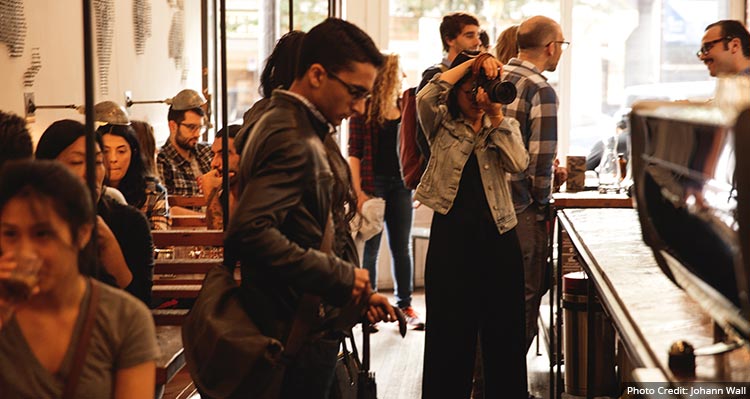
x,y
182,159
725,48
211,182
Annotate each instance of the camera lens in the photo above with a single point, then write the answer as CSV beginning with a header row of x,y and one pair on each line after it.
x,y
500,92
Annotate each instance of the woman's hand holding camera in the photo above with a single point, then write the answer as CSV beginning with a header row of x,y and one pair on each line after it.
x,y
492,68
493,110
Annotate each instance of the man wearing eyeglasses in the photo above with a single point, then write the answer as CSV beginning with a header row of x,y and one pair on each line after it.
x,y
296,195
725,48
541,44
182,159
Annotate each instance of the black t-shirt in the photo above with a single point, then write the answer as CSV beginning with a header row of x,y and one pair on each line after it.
x,y
386,161
470,203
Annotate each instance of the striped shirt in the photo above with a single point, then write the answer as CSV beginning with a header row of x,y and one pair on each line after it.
x,y
535,108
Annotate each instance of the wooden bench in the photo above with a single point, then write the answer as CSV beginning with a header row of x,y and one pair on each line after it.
x,y
183,221
181,386
187,238
169,317
171,358
186,201
180,279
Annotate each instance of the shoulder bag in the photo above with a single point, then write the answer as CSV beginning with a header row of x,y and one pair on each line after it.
x,y
225,351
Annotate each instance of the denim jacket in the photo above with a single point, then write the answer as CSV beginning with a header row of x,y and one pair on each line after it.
x,y
499,151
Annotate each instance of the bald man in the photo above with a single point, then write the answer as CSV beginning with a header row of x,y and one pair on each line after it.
x,y
725,48
541,44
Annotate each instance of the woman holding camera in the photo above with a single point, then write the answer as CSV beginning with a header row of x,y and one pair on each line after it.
x,y
474,272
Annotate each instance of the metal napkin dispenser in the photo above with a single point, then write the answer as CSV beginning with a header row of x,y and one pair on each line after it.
x,y
691,169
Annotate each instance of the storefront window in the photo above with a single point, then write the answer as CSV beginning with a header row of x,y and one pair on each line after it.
x,y
633,50
253,26
621,51
307,13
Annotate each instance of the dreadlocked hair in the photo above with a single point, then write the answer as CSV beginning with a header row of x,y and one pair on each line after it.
x,y
385,90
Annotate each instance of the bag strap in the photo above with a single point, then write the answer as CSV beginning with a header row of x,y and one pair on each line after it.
x,y
83,343
309,306
349,357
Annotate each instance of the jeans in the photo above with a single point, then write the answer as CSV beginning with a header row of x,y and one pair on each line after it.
x,y
532,233
398,218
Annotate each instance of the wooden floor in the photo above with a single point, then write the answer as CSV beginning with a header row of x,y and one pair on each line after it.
x,y
397,363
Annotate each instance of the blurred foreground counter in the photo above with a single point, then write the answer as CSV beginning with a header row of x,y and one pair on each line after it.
x,y
649,313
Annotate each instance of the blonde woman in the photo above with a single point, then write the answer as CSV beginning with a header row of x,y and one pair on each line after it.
x,y
376,172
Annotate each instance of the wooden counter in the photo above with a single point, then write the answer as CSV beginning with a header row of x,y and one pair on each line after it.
x,y
591,199
648,311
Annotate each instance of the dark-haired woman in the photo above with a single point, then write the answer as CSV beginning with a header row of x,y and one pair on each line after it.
x,y
65,141
127,173
46,215
474,272
278,73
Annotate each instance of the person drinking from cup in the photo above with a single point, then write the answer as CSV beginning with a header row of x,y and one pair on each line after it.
x,y
47,217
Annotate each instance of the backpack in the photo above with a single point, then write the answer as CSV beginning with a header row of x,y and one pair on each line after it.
x,y
414,150
413,163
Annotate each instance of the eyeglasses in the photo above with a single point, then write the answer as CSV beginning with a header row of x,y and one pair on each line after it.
x,y
193,128
707,46
357,92
563,44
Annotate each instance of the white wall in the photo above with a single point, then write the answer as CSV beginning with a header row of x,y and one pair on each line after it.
x,y
371,16
56,27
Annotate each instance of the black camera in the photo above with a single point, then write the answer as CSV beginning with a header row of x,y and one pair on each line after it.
x,y
498,91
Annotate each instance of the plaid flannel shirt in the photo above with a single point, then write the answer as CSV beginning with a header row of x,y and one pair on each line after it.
x,y
535,108
363,138
155,205
175,171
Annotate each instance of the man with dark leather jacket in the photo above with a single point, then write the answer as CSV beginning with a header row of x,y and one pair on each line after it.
x,y
292,177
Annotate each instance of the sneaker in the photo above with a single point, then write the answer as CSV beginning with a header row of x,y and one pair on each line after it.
x,y
413,319
373,328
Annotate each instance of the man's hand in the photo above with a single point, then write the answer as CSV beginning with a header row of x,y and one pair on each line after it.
x,y
361,283
380,310
209,181
560,175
